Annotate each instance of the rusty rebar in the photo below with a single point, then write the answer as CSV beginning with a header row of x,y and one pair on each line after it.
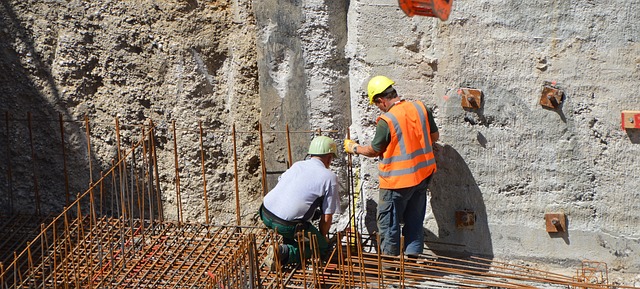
x,y
122,172
290,158
148,171
53,252
350,193
64,160
102,200
235,174
9,164
302,249
177,173
181,250
204,176
77,249
379,255
42,255
33,167
262,161
87,131
158,193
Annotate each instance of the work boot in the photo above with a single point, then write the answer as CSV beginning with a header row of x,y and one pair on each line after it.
x,y
270,261
419,259
283,257
417,263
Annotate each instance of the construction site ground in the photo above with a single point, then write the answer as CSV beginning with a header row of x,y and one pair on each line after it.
x,y
114,235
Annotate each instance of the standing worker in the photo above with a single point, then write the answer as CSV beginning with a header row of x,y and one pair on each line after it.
x,y
289,207
404,138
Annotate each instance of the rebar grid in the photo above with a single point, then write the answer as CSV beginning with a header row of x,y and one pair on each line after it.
x,y
114,236
113,254
358,266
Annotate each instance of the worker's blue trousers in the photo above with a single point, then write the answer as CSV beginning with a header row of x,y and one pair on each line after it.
x,y
402,206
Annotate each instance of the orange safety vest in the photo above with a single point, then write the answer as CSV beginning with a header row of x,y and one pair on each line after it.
x,y
408,159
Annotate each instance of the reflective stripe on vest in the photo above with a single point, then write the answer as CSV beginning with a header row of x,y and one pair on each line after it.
x,y
409,157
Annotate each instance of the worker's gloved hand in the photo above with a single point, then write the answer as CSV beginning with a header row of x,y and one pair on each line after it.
x,y
350,146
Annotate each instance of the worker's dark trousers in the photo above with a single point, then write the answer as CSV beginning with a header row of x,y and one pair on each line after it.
x,y
288,233
402,206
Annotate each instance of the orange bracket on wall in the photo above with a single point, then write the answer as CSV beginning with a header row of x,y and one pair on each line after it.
x,y
630,119
551,96
465,219
429,8
471,98
555,222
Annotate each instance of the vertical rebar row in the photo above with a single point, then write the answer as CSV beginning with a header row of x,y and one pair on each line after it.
x,y
33,167
361,266
177,173
121,185
65,239
17,275
262,162
79,247
316,261
351,197
64,160
379,255
147,175
91,238
135,183
29,270
115,197
89,155
290,163
2,284
9,164
340,258
131,177
43,249
140,187
302,249
54,252
74,248
158,193
235,174
178,255
204,176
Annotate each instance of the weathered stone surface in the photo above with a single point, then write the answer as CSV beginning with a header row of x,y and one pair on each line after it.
x,y
187,61
305,63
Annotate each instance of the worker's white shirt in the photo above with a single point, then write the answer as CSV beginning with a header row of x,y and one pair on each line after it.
x,y
299,187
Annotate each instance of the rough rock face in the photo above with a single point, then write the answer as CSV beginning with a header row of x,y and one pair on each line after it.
x,y
188,61
305,64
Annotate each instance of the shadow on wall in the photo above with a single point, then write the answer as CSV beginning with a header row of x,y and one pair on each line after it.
x,y
33,179
454,189
634,135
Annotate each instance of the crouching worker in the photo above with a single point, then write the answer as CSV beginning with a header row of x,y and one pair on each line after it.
x,y
289,207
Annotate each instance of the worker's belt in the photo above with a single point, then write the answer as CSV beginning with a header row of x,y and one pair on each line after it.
x,y
278,220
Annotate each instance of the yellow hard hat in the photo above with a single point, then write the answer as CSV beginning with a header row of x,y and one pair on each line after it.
x,y
377,85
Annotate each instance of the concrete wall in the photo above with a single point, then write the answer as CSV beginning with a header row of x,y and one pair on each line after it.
x,y
303,75
510,162
513,161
